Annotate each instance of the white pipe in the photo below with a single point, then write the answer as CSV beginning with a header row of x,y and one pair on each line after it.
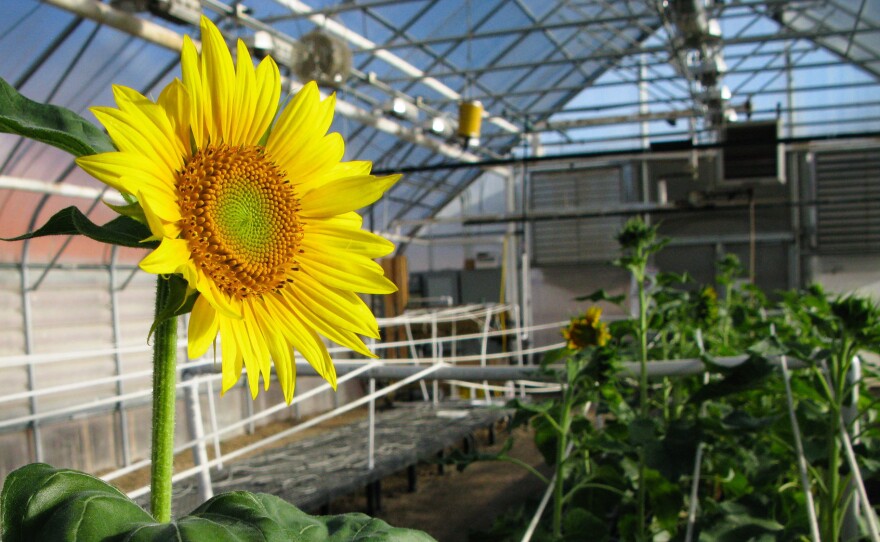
x,y
120,20
59,189
873,528
169,39
801,457
341,31
371,444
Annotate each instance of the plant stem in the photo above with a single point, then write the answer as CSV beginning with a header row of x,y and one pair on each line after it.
x,y
561,444
837,383
164,400
643,397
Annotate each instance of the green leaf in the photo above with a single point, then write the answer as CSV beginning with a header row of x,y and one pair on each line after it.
x,y
122,230
579,523
49,124
180,301
744,376
39,502
281,521
131,210
665,497
642,431
602,295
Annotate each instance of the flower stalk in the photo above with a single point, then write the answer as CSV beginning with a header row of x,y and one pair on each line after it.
x,y
164,400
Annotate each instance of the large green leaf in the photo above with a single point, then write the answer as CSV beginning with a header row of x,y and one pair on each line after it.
x,y
745,376
39,502
49,124
122,230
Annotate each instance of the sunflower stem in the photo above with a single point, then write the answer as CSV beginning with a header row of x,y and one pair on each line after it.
x,y
164,400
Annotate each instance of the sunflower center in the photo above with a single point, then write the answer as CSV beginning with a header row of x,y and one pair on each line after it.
x,y
240,218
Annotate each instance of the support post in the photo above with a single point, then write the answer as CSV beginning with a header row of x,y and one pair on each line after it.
x,y
197,434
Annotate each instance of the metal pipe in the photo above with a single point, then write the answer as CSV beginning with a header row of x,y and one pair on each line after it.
x,y
58,189
371,446
197,434
117,358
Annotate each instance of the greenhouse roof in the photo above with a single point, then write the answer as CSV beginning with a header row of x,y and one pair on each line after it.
x,y
555,77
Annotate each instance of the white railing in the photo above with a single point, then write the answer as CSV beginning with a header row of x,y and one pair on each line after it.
x,y
436,348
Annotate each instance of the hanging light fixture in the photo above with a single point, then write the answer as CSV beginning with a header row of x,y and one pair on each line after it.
x,y
470,117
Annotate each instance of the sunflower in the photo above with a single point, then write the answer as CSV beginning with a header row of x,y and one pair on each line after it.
x,y
586,330
253,207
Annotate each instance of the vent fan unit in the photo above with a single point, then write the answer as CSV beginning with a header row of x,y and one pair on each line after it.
x,y
323,58
751,154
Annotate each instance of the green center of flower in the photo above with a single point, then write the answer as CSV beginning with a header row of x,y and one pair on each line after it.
x,y
240,218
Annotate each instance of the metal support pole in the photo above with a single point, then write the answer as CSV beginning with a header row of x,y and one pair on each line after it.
x,y
28,329
371,446
453,389
519,345
484,349
435,358
213,416
850,426
415,356
197,434
117,358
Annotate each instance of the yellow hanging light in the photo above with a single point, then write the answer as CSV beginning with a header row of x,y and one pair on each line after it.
x,y
470,116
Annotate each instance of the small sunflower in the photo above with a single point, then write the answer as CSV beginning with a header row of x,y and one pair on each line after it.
x,y
253,207
586,330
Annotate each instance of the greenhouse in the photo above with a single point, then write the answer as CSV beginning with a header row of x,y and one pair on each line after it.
x,y
450,270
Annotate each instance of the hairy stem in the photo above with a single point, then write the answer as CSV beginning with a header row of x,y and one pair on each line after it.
x,y
164,399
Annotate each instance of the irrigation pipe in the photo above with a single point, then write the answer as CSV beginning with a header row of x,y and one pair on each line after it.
x,y
860,483
801,457
698,460
530,531
799,447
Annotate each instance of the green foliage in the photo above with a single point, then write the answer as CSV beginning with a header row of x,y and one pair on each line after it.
x,y
39,502
49,124
632,444
122,230
180,301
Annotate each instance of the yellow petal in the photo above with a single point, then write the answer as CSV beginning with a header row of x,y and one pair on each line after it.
x,y
297,142
171,255
324,235
247,354
192,81
129,173
266,104
159,225
258,343
231,358
355,274
279,350
203,326
220,301
153,122
305,313
340,308
345,195
244,96
302,338
217,72
174,99
139,140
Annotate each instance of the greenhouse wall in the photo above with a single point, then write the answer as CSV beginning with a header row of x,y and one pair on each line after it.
x,y
70,314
